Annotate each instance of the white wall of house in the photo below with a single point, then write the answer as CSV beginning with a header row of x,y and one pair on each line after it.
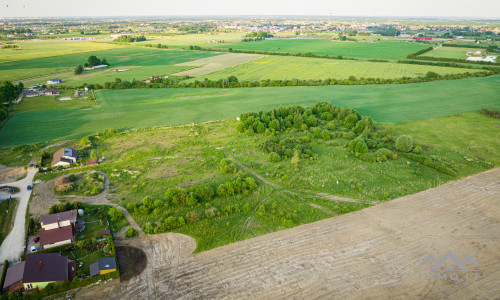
x,y
62,163
65,223
50,226
57,244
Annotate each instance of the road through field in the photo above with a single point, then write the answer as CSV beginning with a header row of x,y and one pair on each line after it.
x,y
375,253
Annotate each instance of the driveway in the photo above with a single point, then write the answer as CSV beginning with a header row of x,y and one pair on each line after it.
x,y
13,245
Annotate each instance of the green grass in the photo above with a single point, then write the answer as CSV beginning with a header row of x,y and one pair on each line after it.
x,y
285,67
381,50
451,52
7,219
193,39
147,162
142,108
52,102
141,63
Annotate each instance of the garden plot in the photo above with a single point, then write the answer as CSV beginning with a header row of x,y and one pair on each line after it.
x,y
216,63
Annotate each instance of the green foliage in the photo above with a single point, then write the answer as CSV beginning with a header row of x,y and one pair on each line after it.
x,y
66,206
130,39
131,232
404,143
78,70
274,157
325,135
4,272
115,214
176,195
350,121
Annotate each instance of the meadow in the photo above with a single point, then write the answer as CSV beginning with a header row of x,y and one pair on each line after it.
x,y
380,49
451,52
286,67
7,213
143,164
143,108
140,63
185,40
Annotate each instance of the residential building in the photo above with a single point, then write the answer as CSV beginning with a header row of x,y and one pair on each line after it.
x,y
54,81
103,266
64,157
14,278
58,229
51,92
44,268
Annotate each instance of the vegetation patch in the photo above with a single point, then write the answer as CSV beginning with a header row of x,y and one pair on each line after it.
x,y
7,215
89,184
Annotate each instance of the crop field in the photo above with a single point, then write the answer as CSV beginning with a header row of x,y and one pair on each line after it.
x,y
286,67
139,63
40,49
185,40
451,52
380,50
142,108
216,63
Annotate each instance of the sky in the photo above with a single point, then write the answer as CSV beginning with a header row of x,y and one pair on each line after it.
x,y
382,8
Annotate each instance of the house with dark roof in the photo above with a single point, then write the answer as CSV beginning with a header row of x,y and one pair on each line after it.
x,y
54,81
51,92
14,278
44,268
103,266
58,229
64,157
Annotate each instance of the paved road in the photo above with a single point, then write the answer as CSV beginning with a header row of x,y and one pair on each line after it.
x,y
13,245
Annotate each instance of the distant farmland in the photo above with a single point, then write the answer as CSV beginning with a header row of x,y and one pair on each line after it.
x,y
289,67
141,108
380,50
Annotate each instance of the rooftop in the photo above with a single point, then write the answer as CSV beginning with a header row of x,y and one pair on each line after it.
x,y
53,236
14,274
62,216
45,267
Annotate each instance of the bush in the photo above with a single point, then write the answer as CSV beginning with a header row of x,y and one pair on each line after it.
x,y
130,232
350,121
4,272
274,157
349,135
404,143
115,214
325,135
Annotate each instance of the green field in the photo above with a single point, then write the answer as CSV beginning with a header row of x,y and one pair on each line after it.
x,y
139,63
286,67
142,108
380,50
193,39
52,102
451,52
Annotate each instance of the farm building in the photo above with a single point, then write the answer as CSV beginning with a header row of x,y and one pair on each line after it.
x,y
422,38
57,229
32,94
153,78
92,162
54,81
103,266
100,67
44,268
51,92
64,157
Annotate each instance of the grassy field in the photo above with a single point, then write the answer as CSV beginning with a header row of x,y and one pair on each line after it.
x,y
32,50
142,108
147,162
139,63
52,102
285,67
216,63
451,52
7,219
193,39
381,50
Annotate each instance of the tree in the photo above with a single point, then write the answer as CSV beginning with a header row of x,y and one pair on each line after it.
x,y
296,158
93,61
115,214
325,135
78,70
274,157
130,232
404,143
93,154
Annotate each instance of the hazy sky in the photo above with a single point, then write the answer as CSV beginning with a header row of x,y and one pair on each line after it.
x,y
63,8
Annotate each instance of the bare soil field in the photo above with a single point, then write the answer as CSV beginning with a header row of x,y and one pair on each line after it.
x,y
373,253
216,63
9,174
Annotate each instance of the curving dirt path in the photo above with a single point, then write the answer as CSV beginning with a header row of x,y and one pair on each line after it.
x,y
373,253
44,198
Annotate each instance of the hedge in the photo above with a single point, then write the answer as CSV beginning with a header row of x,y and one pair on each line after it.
x,y
4,273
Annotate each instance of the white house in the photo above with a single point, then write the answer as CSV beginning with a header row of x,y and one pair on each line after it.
x,y
54,81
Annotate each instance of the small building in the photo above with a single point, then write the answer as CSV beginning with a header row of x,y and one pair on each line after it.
x,y
422,38
14,278
153,78
103,266
44,268
58,229
105,232
64,157
92,162
100,67
55,81
62,219
32,94
51,92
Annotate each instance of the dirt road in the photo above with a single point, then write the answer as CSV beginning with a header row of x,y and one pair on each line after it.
x,y
373,253
44,198
13,245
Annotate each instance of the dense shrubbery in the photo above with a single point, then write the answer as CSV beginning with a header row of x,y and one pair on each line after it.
x,y
131,232
404,143
130,39
89,184
490,112
413,55
57,208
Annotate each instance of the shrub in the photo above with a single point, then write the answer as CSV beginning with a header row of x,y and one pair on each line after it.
x,y
361,147
325,135
176,195
350,121
274,157
226,166
311,121
4,272
349,135
404,143
130,232
115,214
